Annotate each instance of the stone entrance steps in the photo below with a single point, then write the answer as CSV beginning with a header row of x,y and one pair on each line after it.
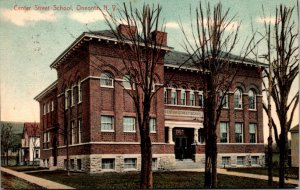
x,y
186,164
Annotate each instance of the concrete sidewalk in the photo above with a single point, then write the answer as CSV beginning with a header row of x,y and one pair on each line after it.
x,y
36,180
240,174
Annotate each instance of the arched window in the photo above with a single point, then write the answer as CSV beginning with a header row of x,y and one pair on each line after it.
x,y
72,94
183,96
66,99
174,96
79,90
106,80
238,95
224,99
166,95
126,82
192,98
252,99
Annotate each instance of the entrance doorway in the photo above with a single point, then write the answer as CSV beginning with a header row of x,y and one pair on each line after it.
x,y
183,143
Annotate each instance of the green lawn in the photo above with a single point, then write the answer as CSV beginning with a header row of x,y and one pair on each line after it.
x,y
10,182
292,173
24,168
162,180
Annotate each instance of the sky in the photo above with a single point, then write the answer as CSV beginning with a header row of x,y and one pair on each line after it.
x,y
34,33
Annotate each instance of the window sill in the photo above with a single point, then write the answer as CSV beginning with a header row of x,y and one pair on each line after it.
x,y
108,170
252,109
79,102
130,169
108,131
129,131
104,86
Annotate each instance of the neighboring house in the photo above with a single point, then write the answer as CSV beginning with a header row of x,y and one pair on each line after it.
x,y
17,129
88,99
295,146
30,150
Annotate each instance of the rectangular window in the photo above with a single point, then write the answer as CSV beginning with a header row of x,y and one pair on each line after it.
x,y
129,124
79,164
238,132
108,164
224,132
154,163
79,130
72,132
130,163
45,137
240,160
201,100
254,160
65,164
107,123
52,105
225,160
72,164
252,132
152,125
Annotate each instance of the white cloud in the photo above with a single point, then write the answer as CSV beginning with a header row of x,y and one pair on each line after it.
x,y
271,20
172,25
22,17
87,17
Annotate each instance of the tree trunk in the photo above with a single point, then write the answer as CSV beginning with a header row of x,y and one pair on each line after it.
x,y
214,160
282,158
146,168
208,164
270,161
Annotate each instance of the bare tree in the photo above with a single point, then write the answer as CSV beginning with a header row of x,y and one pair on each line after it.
x,y
6,140
282,54
213,38
142,46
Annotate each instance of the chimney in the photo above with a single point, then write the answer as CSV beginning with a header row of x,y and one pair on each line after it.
x,y
160,37
126,30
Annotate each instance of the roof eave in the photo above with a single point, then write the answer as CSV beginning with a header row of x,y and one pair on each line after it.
x,y
45,91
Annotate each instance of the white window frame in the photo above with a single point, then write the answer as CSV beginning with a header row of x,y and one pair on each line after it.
x,y
255,132
48,107
152,125
48,136
154,164
227,131
224,100
44,109
104,77
127,84
257,160
125,126
130,166
165,96
241,134
238,95
200,94
253,95
103,117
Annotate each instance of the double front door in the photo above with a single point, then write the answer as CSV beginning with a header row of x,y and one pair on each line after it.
x,y
183,143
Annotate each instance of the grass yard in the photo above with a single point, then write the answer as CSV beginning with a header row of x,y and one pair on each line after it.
x,y
24,168
11,182
162,180
292,173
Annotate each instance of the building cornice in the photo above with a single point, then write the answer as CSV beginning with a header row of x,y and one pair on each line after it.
x,y
45,91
